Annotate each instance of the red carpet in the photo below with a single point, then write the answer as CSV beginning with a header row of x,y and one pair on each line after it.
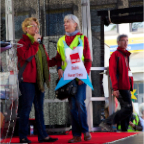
x,y
97,138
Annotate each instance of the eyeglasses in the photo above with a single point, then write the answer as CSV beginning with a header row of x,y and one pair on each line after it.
x,y
124,40
35,26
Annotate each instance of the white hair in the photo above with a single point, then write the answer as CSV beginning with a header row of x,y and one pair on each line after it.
x,y
141,109
74,19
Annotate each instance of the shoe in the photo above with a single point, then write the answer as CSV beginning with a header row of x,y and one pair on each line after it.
x,y
87,136
25,140
49,140
75,139
106,127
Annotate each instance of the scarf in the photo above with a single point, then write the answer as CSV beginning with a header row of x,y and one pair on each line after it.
x,y
73,33
42,66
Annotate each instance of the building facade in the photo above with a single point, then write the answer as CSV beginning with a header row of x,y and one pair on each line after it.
x,y
50,14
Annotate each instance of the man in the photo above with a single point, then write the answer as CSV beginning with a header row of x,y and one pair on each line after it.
x,y
122,83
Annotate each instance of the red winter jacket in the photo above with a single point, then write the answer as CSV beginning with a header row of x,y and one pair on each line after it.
x,y
118,70
86,51
26,60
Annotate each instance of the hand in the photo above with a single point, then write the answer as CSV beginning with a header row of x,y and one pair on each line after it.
x,y
80,82
131,124
116,93
36,37
60,73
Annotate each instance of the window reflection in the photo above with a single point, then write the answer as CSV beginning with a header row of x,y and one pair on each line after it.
x,y
55,21
111,29
137,27
139,86
17,23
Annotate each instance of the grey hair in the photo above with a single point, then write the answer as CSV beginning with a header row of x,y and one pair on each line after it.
x,y
74,19
120,36
141,109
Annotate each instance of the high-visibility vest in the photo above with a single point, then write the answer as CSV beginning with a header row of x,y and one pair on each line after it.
x,y
61,50
135,122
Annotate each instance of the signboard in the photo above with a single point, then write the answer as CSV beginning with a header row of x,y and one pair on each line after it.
x,y
135,44
131,47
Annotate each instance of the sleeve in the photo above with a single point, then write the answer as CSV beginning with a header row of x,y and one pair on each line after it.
x,y
113,71
58,56
87,55
138,127
27,52
59,61
54,61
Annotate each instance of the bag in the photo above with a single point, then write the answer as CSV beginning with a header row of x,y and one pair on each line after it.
x,y
67,90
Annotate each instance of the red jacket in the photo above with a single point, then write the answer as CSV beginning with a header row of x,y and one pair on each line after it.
x,y
118,70
26,60
86,51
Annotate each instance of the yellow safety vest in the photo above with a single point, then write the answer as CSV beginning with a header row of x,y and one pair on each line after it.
x,y
130,128
61,50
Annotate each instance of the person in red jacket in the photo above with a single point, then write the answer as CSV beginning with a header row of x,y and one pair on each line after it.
x,y
33,65
77,104
122,83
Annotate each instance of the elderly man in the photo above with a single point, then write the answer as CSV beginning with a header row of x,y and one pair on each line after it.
x,y
122,84
141,113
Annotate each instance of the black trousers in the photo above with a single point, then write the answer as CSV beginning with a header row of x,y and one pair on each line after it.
x,y
122,116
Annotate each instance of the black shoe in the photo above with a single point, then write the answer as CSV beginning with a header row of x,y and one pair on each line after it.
x,y
25,140
106,127
49,140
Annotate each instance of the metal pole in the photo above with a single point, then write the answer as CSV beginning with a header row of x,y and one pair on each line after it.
x,y
9,16
44,13
86,30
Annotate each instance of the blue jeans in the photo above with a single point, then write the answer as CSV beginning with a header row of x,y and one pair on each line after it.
x,y
78,111
31,94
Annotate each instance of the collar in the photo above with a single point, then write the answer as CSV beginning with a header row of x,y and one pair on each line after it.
x,y
125,52
31,38
73,33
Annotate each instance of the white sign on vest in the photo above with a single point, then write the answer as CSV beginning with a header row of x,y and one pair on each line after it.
x,y
75,66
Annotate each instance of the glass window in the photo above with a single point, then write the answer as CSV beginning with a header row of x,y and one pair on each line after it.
x,y
3,29
111,29
55,22
135,85
141,86
17,24
18,21
137,27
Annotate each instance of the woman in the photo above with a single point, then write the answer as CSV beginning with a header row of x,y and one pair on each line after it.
x,y
134,123
141,113
77,104
33,64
